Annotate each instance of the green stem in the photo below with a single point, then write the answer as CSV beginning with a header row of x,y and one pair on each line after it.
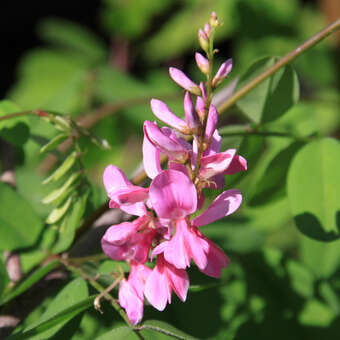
x,y
264,134
18,114
282,62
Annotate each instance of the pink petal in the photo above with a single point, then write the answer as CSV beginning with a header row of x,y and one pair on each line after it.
x,y
151,159
131,302
114,178
179,280
203,91
173,195
157,287
211,122
131,195
216,163
216,261
215,144
191,116
238,164
224,205
138,276
120,233
137,209
182,80
164,143
179,167
162,112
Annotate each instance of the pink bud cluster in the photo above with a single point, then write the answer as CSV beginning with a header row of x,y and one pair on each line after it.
x,y
165,230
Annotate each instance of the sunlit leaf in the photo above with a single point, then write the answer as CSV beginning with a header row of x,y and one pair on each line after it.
x,y
14,223
273,96
313,186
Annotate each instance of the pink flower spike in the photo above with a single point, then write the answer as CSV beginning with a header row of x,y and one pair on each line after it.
x,y
182,80
164,142
191,116
163,279
151,159
238,164
173,195
222,72
211,123
224,205
202,63
162,112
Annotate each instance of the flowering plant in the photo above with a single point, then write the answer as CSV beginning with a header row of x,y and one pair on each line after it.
x,y
165,226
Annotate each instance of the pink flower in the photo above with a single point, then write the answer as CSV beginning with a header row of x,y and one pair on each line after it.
x,y
173,196
123,193
166,141
129,240
202,63
163,279
191,115
131,292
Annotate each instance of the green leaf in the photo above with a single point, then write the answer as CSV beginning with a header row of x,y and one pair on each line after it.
x,y
57,213
58,194
62,169
72,36
51,325
20,226
4,279
271,98
330,296
69,226
53,80
316,313
165,329
272,185
14,130
119,333
54,142
27,283
302,280
63,308
313,187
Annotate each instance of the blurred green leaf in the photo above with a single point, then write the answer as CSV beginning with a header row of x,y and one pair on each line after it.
x,y
51,80
70,35
272,185
130,18
27,283
4,279
14,222
330,297
14,130
71,301
62,169
271,98
69,226
312,187
54,142
316,313
57,213
177,35
302,280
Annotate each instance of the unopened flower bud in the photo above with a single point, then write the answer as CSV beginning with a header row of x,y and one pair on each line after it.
x,y
222,72
203,40
207,29
202,63
191,116
182,80
200,107
213,21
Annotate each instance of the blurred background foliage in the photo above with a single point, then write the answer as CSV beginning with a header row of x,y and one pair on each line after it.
x,y
282,282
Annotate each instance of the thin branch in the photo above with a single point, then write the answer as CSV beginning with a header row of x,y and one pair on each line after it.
x,y
282,62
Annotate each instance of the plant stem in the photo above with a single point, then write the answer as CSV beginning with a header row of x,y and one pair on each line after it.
x,y
18,114
282,62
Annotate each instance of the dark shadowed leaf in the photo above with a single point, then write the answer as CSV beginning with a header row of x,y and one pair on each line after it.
x,y
119,333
